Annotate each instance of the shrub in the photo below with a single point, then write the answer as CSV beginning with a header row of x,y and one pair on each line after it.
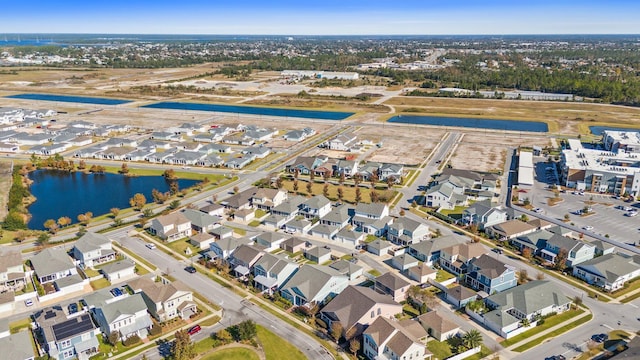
x,y
155,330
321,323
131,340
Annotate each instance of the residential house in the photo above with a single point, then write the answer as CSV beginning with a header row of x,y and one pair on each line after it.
x,y
65,338
119,270
202,241
313,284
482,214
243,259
338,217
349,237
18,346
610,271
223,248
445,196
297,225
459,296
93,249
456,258
403,262
393,285
315,207
239,162
12,273
379,247
270,240
52,264
325,231
165,300
387,339
488,274
241,200
128,316
394,171
221,232
259,152
284,212
421,273
577,251
372,218
526,301
244,215
437,326
509,230
201,222
429,251
265,198
348,268
318,254
171,227
271,271
213,209
343,141
348,168
534,241
602,248
304,165
357,307
405,231
293,245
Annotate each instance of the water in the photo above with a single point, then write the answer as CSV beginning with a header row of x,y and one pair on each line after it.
x,y
66,98
511,125
597,130
253,110
61,193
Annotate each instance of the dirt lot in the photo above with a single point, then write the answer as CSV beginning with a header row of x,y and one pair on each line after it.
x,y
488,152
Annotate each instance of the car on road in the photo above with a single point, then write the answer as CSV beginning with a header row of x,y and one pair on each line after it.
x,y
631,213
190,269
150,246
600,338
194,330
555,357
587,227
73,308
497,250
538,210
621,207
28,302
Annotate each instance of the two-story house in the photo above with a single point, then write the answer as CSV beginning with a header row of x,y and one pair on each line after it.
x,y
243,259
391,284
609,271
357,307
165,300
12,273
93,249
577,251
270,240
482,214
127,316
265,198
52,264
201,222
171,227
371,218
313,284
315,207
271,271
490,275
405,231
388,339
284,212
429,251
225,247
17,346
66,338
456,258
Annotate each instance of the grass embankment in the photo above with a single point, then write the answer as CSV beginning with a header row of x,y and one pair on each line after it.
x,y
276,348
548,323
232,354
553,334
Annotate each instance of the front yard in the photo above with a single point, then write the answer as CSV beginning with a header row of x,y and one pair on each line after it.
x,y
547,324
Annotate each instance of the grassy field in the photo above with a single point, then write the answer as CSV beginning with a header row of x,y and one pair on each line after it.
x,y
232,354
440,349
349,192
276,348
100,284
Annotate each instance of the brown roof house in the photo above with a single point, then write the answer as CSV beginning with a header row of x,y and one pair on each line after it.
x,y
356,307
171,227
460,295
456,258
165,300
437,326
393,285
389,339
510,229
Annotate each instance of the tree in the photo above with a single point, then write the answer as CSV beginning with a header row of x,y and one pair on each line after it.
x,y
472,339
169,174
279,183
295,185
138,201
43,238
577,301
560,261
312,176
247,330
174,204
224,336
326,175
340,193
51,225
357,179
374,179
309,188
147,213
182,348
113,338
114,212
523,276
354,346
566,217
524,218
82,165
540,276
358,197
342,178
325,190
390,181
336,330
85,218
374,196
173,188
526,253
124,169
236,189
296,173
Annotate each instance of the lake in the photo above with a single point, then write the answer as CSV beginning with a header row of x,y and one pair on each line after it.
x,y
67,98
510,125
597,130
60,193
252,110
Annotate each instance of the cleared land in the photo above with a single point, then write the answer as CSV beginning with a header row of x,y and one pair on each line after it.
x,y
5,183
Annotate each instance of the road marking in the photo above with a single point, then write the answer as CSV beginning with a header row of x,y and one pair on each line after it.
x,y
635,306
607,326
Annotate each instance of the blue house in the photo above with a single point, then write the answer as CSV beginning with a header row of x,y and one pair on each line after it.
x,y
65,338
490,275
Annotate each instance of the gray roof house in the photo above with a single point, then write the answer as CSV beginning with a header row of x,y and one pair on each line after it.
x,y
52,264
64,338
318,254
270,240
93,249
379,247
17,346
403,262
171,227
482,214
577,251
11,269
271,271
293,245
348,268
127,316
313,284
223,248
405,231
119,270
202,240
338,217
391,284
610,271
200,221
429,251
165,300
243,259
315,207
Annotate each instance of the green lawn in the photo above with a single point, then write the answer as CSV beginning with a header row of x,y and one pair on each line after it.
x,y
374,272
254,223
260,213
552,334
548,323
443,275
233,354
440,349
241,232
484,351
90,272
456,213
139,259
180,246
16,326
276,348
632,285
410,311
100,284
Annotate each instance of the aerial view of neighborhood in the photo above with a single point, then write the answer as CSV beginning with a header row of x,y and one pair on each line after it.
x,y
285,197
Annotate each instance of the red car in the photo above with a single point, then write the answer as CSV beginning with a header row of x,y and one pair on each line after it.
x,y
194,330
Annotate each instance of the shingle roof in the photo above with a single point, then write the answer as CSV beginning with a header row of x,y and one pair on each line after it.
x,y
157,291
128,305
489,266
199,218
392,281
436,321
354,302
310,279
17,346
530,297
611,266
51,260
9,259
118,266
91,241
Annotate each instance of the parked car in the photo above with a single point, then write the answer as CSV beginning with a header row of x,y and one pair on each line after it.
x,y
588,227
194,330
538,210
73,308
116,292
28,302
190,269
151,246
600,338
631,213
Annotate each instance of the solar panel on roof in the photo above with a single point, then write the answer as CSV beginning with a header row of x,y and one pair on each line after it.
x,y
72,327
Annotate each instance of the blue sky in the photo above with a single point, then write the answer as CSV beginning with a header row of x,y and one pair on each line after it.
x,y
330,17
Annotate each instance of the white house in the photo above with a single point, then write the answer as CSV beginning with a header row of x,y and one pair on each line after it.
x,y
93,249
171,227
52,264
127,316
165,300
388,339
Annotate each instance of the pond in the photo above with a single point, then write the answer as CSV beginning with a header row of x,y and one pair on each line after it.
x,y
67,98
510,125
60,193
597,130
253,110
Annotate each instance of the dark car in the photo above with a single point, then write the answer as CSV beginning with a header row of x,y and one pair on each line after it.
x,y
73,308
555,357
600,338
194,330
116,292
190,269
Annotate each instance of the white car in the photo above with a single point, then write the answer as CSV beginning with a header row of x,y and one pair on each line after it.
x,y
538,210
631,213
150,246
28,302
588,227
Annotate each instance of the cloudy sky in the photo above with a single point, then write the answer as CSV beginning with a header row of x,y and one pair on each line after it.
x,y
327,17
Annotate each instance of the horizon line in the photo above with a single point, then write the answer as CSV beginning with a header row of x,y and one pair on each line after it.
x,y
291,34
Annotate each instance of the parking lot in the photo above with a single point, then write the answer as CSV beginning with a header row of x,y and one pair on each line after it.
x,y
606,217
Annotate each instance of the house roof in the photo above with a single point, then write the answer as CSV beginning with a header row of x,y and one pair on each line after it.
x,y
91,241
240,199
375,209
345,267
392,281
9,259
460,293
317,202
293,242
489,266
349,234
468,174
318,251
126,306
421,270
17,346
202,237
270,237
501,317
404,260
429,246
158,292
611,266
467,250
230,243
354,302
513,227
338,214
116,266
539,223
199,218
51,260
567,243
267,193
325,229
290,205
174,218
379,244
433,320
274,263
247,253
479,208
530,297
400,339
406,224
211,207
310,279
